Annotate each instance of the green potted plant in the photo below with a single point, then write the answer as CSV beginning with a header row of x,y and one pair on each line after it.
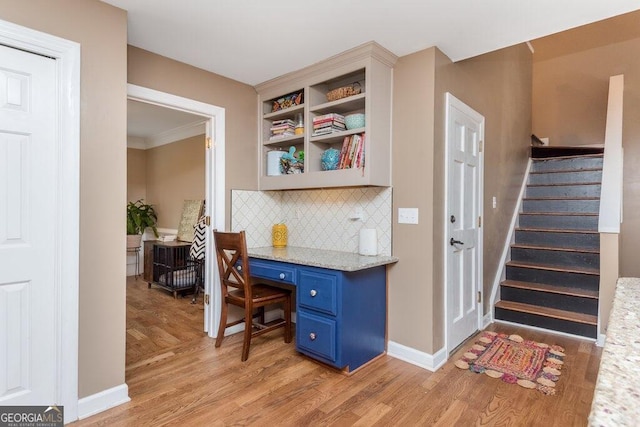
x,y
140,215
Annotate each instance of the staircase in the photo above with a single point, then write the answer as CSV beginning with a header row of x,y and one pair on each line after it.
x,y
553,277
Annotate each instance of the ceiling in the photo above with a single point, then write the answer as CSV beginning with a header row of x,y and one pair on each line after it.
x,y
253,41
149,125
283,47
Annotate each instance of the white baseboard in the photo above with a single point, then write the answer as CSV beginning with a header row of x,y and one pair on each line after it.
x,y
430,362
601,340
487,319
106,399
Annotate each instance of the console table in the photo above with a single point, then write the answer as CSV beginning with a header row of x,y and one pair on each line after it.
x,y
341,301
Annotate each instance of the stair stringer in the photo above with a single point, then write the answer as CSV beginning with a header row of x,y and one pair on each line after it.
x,y
501,272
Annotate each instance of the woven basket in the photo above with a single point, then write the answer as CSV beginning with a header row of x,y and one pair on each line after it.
x,y
343,92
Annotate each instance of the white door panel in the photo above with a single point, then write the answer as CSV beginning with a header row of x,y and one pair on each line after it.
x,y
463,192
27,252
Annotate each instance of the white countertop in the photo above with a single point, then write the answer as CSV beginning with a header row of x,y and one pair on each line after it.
x,y
335,260
616,399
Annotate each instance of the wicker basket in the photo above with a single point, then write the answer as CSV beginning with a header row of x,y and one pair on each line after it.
x,y
343,92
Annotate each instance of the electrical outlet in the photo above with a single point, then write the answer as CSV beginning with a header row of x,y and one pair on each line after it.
x,y
407,215
495,202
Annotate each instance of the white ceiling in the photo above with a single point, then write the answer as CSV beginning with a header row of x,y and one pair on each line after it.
x,y
253,41
149,125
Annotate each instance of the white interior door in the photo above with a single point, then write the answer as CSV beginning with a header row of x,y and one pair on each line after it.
x,y
28,327
463,238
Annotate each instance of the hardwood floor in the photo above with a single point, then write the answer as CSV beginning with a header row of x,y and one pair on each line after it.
x,y
177,377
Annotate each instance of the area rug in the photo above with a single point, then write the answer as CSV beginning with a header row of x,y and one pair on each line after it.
x,y
515,360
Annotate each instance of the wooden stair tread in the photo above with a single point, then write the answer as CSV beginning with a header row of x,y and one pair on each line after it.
x,y
561,213
570,156
554,289
548,312
589,271
555,248
564,184
565,171
556,230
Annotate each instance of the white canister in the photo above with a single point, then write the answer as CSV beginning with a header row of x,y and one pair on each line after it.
x,y
273,162
368,242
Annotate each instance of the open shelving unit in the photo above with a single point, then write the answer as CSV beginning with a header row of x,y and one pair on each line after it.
x,y
370,65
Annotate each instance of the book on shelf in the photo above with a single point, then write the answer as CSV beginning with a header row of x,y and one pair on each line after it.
x,y
352,152
167,237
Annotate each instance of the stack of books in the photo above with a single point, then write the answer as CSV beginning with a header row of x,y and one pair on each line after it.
x,y
282,128
328,123
352,153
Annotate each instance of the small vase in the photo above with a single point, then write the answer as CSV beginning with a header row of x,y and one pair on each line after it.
x,y
279,235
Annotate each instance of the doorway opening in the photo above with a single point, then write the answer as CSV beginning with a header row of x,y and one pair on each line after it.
x,y
213,120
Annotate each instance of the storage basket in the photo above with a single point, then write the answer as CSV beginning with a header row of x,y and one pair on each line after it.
x,y
343,92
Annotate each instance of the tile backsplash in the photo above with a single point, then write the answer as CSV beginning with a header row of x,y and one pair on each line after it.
x,y
318,219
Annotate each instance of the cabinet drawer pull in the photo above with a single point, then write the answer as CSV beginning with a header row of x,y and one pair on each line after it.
x,y
282,276
239,268
312,336
313,292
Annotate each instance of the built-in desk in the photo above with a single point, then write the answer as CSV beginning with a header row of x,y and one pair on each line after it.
x,y
341,302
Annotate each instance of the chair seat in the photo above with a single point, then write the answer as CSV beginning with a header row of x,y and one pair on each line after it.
x,y
261,294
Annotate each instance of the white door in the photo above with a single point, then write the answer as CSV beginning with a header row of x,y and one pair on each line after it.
x,y
28,159
463,244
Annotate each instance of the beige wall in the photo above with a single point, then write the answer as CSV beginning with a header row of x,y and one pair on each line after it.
x,y
102,32
570,86
175,173
136,174
239,100
411,287
498,86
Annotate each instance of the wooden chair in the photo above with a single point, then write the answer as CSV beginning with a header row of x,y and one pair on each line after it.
x,y
233,265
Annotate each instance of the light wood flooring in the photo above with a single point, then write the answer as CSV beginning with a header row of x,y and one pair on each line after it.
x,y
177,377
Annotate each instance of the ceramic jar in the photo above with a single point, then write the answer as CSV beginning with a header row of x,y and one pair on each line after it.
x,y
329,159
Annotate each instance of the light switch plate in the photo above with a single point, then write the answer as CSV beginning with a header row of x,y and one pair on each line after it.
x,y
407,215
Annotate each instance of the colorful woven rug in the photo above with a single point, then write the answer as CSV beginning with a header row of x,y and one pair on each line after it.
x,y
529,364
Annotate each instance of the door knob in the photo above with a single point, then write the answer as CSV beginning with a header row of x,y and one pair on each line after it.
x,y
453,241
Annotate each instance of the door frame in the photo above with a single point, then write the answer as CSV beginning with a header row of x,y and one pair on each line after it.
x,y
67,209
453,102
214,181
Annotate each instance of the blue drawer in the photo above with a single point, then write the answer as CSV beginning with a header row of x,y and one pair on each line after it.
x,y
275,272
316,335
318,291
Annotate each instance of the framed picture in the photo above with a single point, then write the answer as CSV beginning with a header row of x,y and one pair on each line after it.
x,y
192,210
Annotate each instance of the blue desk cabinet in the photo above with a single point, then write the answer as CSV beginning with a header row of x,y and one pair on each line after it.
x,y
340,315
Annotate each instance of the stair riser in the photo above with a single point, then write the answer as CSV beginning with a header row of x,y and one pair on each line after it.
x,y
565,177
591,190
582,206
565,164
552,239
559,222
574,328
572,240
556,258
550,300
560,278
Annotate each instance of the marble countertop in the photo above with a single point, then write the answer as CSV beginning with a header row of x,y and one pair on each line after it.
x,y
335,260
616,399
